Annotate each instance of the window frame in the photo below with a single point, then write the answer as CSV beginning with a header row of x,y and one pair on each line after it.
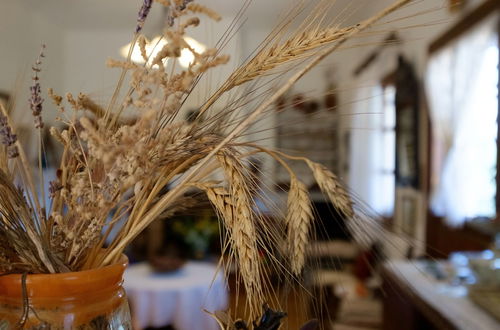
x,y
462,27
386,81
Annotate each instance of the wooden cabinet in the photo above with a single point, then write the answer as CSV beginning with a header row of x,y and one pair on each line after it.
x,y
415,300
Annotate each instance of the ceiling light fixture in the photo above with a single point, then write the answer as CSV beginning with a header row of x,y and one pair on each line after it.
x,y
155,45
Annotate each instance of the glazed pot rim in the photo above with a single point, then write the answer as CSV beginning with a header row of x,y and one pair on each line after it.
x,y
122,262
66,285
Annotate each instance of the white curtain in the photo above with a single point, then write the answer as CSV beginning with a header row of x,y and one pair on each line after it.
x,y
461,84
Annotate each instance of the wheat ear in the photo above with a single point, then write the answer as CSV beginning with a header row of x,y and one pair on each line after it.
x,y
243,232
220,199
331,187
293,49
298,219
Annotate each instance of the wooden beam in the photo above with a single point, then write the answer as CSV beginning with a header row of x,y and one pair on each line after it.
x,y
465,24
391,39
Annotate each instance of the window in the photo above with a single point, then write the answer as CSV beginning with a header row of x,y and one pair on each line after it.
x,y
387,152
462,83
373,154
365,137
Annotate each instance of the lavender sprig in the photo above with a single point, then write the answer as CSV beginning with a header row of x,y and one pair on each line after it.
x,y
143,14
35,100
8,138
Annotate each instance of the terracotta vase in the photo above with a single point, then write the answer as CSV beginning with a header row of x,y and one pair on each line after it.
x,y
91,299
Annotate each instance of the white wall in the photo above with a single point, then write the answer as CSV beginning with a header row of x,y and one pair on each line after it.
x,y
22,32
84,67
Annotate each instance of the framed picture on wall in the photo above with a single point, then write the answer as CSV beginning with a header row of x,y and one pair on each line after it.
x,y
409,219
408,212
408,215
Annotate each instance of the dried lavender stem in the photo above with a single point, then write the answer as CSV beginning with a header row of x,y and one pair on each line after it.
x,y
25,167
36,105
42,212
143,14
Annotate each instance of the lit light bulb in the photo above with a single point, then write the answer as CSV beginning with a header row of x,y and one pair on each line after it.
x,y
155,45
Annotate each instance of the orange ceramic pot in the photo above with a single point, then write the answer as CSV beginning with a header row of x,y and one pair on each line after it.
x,y
91,299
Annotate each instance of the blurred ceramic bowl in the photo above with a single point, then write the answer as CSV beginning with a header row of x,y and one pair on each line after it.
x,y
165,264
487,271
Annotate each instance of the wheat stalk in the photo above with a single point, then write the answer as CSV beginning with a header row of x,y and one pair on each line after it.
x,y
13,207
328,182
298,219
298,47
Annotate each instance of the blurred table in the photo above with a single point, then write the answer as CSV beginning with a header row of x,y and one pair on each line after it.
x,y
176,298
414,298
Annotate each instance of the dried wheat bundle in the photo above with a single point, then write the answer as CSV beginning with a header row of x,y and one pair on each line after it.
x,y
140,168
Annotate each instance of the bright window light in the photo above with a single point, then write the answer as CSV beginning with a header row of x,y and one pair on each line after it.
x,y
462,82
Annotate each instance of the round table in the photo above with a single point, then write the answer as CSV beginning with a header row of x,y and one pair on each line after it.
x,y
176,298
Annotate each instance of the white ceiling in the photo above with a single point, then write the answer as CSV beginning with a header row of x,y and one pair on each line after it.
x,y
122,13
117,14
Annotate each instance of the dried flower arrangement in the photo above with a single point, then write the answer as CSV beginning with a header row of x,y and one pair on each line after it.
x,y
113,168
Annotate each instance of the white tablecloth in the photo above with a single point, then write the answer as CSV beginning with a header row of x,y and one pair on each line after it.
x,y
177,298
